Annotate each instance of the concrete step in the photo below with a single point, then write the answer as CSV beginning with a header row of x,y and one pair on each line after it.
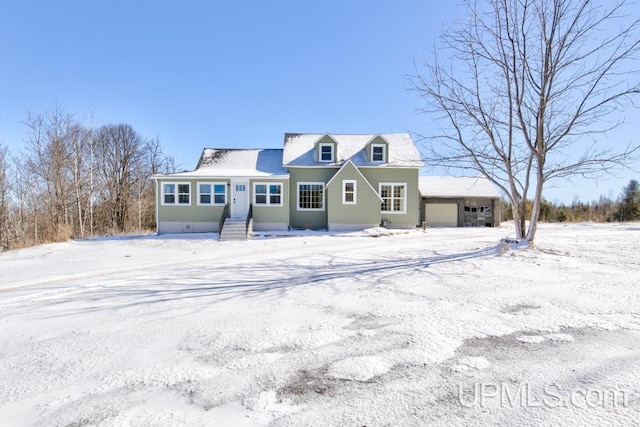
x,y
234,229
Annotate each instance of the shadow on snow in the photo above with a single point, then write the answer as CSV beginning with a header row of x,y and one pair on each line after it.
x,y
211,284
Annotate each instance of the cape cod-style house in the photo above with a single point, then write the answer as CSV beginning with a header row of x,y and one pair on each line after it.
x,y
316,181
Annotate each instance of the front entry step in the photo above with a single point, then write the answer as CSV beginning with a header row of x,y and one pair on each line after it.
x,y
234,229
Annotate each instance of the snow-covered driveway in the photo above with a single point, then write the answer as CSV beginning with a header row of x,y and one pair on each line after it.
x,y
443,328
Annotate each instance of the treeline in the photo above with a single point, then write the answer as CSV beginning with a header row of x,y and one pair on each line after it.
x,y
625,208
71,180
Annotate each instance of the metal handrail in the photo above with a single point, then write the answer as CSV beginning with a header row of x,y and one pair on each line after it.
x,y
225,215
249,216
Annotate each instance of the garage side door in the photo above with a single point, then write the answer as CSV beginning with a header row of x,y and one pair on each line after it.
x,y
441,214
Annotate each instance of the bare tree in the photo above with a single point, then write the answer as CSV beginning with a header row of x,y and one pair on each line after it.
x,y
527,90
29,193
72,180
81,170
48,160
5,226
121,152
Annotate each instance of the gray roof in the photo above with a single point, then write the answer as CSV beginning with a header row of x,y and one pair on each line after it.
x,y
225,162
457,186
299,149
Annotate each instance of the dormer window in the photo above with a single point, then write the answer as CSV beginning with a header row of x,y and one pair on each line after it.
x,y
326,152
378,153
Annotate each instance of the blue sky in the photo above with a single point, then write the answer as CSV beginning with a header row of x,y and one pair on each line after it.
x,y
201,74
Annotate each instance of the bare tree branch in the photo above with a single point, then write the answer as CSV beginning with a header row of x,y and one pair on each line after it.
x,y
525,84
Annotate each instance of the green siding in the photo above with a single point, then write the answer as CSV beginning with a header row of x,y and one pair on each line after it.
x,y
191,212
308,219
376,175
195,213
271,214
366,211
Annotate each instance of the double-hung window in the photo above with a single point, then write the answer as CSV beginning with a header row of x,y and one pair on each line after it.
x,y
326,152
310,196
378,153
176,193
349,192
267,194
212,193
394,197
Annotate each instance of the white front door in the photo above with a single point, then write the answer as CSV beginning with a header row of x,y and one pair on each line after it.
x,y
239,199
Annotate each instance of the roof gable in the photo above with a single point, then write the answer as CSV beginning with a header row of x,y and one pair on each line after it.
x,y
326,139
377,141
347,167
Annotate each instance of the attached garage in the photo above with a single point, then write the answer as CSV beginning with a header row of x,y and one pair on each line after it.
x,y
449,201
441,214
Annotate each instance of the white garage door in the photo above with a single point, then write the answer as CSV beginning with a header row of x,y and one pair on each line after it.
x,y
441,214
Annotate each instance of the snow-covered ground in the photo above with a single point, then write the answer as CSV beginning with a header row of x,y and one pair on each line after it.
x,y
444,328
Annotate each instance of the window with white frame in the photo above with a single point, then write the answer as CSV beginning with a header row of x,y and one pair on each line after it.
x,y
168,194
212,193
326,152
184,194
378,153
349,192
176,193
267,194
310,196
394,197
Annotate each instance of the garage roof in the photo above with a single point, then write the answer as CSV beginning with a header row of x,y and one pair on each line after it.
x,y
457,186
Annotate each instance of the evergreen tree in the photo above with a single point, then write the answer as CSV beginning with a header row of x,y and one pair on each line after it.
x,y
631,201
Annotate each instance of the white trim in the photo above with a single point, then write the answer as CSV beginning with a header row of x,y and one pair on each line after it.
x,y
200,176
298,196
268,193
384,153
394,184
333,152
212,194
354,191
386,166
176,194
158,185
